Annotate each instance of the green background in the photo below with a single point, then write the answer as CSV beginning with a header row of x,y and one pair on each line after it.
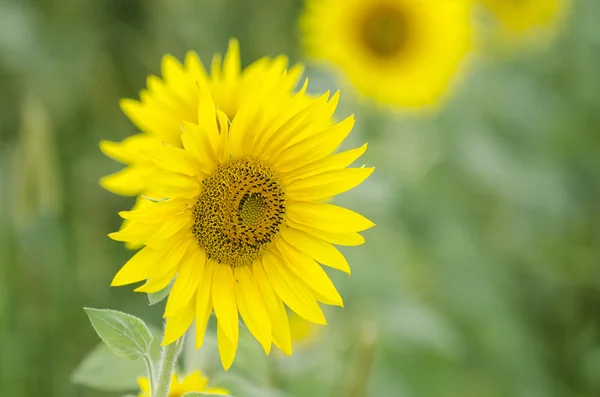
x,y
481,278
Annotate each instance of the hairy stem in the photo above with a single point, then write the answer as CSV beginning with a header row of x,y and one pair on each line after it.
x,y
169,356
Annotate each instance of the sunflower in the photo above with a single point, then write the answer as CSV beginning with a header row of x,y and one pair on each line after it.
x,y
194,382
399,52
524,16
241,218
166,103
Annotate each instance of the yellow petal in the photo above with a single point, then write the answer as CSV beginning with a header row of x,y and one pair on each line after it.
x,y
134,231
173,159
310,272
169,266
327,217
314,147
157,283
176,77
293,127
144,384
127,151
206,114
140,267
252,308
174,227
329,163
223,300
179,323
345,239
227,348
321,250
292,290
275,308
130,181
194,66
173,185
187,281
223,154
195,140
194,381
145,209
232,64
203,302
327,184
217,390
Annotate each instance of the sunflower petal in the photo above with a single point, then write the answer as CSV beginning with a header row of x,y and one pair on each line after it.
x,y
329,163
327,217
130,181
313,275
186,283
252,308
275,308
327,184
140,267
292,290
321,250
179,323
223,299
203,302
227,348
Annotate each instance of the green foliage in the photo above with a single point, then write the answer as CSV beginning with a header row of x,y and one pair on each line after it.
x,y
482,274
126,335
102,369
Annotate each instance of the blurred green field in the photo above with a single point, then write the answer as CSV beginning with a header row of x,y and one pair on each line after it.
x,y
481,279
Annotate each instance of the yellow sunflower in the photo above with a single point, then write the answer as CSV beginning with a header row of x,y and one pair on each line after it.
x,y
524,16
194,382
399,52
166,103
242,219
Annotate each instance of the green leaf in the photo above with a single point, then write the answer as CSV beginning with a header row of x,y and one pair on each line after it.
x,y
126,335
157,297
200,394
101,369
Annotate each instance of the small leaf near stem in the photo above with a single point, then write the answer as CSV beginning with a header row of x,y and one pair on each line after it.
x,y
126,335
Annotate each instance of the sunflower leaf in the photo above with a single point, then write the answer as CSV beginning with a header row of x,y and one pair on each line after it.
x,y
103,370
126,335
157,297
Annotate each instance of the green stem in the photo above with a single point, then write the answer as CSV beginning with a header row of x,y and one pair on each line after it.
x,y
169,356
150,371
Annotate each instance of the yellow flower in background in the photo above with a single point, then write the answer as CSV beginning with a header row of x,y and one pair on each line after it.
x,y
524,16
168,102
194,382
240,217
304,333
400,52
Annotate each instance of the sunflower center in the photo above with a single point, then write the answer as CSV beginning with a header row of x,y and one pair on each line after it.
x,y
239,211
384,31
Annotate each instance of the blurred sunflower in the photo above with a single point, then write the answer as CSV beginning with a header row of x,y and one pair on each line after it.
x,y
242,218
399,52
304,333
168,102
194,382
524,16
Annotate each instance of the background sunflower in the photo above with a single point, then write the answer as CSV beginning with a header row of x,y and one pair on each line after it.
x,y
481,277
